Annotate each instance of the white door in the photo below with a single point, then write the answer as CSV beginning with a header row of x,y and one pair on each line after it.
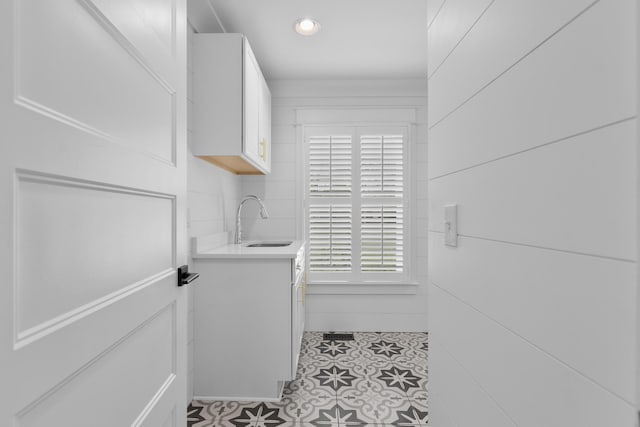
x,y
92,218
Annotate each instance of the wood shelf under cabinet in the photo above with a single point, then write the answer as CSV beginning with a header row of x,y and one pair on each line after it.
x,y
234,164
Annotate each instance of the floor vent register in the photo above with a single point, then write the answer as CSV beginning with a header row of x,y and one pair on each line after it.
x,y
337,337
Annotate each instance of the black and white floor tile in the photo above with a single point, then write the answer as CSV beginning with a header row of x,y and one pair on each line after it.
x,y
378,379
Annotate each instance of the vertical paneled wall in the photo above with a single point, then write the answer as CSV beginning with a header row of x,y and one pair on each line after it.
x,y
282,191
213,196
638,217
532,132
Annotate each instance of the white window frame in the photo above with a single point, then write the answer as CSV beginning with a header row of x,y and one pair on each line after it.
x,y
357,277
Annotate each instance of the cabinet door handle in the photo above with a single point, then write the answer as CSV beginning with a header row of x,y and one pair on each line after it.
x,y
263,149
304,287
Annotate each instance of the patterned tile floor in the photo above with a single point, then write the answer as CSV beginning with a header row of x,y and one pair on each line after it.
x,y
379,379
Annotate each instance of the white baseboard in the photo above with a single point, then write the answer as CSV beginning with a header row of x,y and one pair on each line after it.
x,y
281,385
366,322
237,399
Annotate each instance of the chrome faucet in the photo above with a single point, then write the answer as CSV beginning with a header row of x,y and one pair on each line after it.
x,y
263,214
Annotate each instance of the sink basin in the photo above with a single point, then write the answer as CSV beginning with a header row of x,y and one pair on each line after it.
x,y
269,244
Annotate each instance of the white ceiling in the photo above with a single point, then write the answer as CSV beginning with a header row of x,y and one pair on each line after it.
x,y
359,39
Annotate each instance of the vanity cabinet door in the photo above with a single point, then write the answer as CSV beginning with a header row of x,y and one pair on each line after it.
x,y
297,321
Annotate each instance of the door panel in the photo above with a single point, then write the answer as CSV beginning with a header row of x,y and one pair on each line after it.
x,y
157,15
93,175
90,390
76,67
61,222
65,357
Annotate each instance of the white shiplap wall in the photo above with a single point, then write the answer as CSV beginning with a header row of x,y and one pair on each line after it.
x,y
213,195
637,374
282,192
533,133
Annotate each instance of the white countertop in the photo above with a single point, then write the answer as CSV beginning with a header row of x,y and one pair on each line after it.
x,y
231,250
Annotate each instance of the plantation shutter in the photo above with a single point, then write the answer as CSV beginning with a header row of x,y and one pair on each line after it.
x,y
356,203
330,166
330,237
382,164
382,238
382,177
330,223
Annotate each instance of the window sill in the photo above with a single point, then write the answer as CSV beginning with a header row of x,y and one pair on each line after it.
x,y
367,288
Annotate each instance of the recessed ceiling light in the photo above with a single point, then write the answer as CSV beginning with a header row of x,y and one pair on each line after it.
x,y
306,26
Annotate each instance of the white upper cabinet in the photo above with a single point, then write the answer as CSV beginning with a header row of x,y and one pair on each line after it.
x,y
232,105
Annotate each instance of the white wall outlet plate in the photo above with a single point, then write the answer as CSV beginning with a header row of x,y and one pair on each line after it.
x,y
451,225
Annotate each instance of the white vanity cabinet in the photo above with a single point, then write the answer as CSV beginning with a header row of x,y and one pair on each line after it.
x,y
248,321
232,105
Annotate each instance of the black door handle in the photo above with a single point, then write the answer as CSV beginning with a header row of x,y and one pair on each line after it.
x,y
184,277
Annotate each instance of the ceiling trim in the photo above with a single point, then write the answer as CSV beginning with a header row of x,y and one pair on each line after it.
x,y
202,16
348,87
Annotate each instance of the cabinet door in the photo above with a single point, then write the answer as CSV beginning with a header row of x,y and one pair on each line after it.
x,y
297,321
295,328
252,88
265,124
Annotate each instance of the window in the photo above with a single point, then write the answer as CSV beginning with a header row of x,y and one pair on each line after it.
x,y
356,204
